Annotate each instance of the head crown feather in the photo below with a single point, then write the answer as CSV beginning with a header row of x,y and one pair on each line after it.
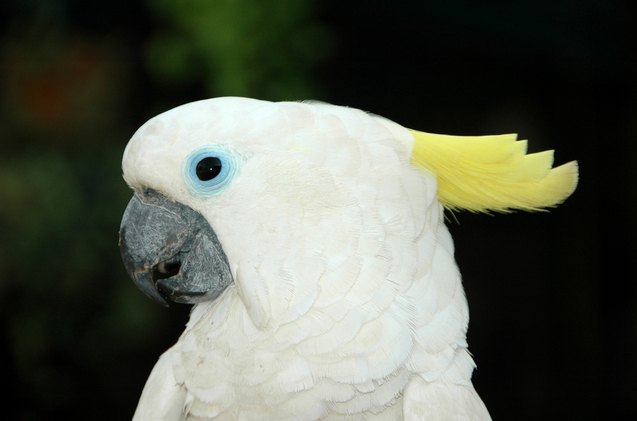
x,y
492,173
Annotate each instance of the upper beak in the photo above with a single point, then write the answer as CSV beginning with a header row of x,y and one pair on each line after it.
x,y
171,251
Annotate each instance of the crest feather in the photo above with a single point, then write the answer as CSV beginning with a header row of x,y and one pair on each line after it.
x,y
492,173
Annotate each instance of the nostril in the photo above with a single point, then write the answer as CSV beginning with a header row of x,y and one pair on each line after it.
x,y
166,269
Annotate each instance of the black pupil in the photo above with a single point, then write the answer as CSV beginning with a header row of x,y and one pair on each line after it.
x,y
208,168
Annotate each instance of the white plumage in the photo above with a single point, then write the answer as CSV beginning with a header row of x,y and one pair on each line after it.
x,y
346,301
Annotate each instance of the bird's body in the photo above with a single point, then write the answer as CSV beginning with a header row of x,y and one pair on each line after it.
x,y
340,296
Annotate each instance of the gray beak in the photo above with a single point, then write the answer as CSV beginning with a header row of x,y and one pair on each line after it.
x,y
171,252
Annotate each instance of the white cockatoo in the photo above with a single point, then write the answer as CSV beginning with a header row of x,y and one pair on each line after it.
x,y
311,239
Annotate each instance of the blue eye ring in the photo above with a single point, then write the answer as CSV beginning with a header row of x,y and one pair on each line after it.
x,y
209,170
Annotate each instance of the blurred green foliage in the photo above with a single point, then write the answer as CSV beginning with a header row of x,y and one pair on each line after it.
x,y
259,48
76,332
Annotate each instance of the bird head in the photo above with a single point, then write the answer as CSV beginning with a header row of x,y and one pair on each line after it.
x,y
284,203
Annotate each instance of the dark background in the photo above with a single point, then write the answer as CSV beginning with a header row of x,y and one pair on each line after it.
x,y
552,295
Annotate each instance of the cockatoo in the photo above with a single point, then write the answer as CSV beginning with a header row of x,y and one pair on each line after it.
x,y
311,239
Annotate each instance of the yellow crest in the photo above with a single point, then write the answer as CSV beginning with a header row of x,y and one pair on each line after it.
x,y
492,173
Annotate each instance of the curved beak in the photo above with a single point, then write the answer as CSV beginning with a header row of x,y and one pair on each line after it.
x,y
171,252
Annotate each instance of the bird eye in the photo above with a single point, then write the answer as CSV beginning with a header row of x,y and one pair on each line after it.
x,y
209,170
